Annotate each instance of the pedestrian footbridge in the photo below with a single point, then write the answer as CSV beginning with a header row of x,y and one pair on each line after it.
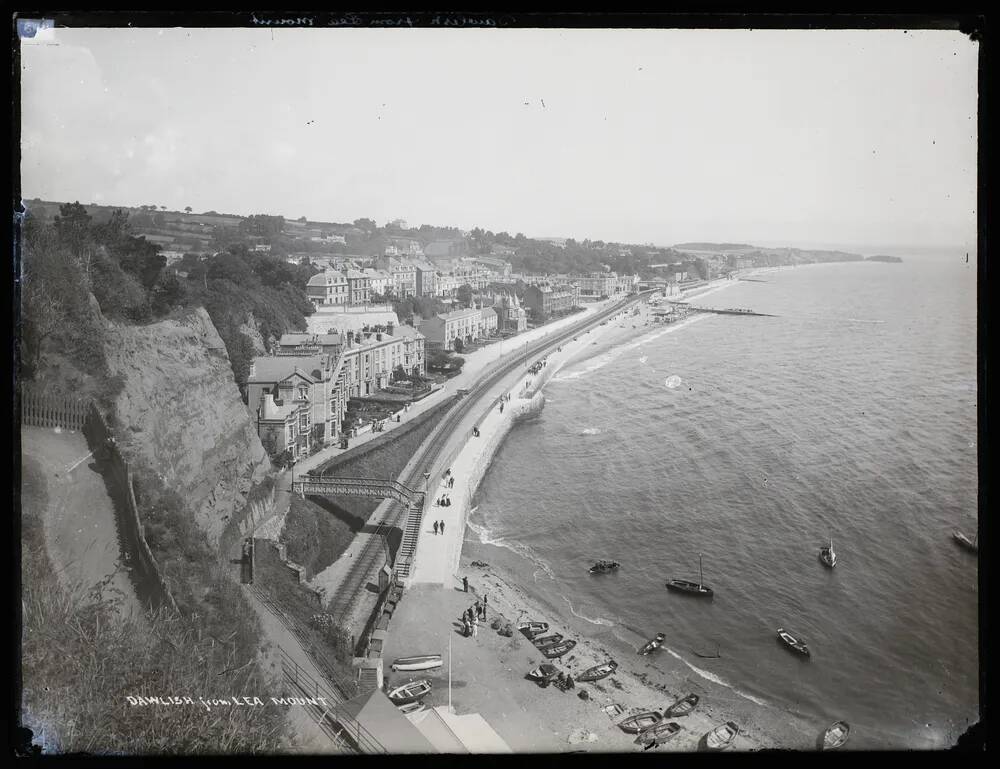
x,y
353,487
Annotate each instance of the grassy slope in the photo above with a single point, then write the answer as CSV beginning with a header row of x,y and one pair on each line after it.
x,y
81,660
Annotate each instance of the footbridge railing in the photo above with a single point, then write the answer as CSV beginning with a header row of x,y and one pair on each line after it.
x,y
353,487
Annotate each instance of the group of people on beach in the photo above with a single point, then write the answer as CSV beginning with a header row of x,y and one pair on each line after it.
x,y
443,501
472,615
439,527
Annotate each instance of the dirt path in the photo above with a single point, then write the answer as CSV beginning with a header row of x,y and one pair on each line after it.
x,y
81,534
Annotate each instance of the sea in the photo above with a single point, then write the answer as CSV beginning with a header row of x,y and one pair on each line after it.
x,y
749,443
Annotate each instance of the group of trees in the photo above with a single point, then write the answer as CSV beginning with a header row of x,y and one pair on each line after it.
x,y
65,262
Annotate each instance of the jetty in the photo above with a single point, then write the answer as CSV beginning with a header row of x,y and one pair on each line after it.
x,y
727,311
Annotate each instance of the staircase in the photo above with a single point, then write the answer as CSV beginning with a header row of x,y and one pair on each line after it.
x,y
404,560
367,680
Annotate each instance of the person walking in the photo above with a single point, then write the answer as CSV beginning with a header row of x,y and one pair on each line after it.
x,y
479,608
485,602
475,627
467,626
442,527
435,527
465,584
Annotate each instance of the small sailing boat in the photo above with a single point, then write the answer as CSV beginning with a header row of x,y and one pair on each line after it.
x,y
972,545
698,588
826,555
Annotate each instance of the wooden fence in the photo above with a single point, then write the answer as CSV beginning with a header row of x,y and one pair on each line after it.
x,y
38,410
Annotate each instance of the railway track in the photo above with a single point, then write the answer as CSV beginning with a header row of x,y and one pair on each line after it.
x,y
367,562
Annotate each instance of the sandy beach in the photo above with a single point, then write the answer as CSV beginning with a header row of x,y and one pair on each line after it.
x,y
488,671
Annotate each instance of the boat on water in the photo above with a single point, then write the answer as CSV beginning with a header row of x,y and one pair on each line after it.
x,y
598,672
603,567
836,735
531,629
656,643
414,691
682,707
698,588
657,734
413,707
418,662
640,722
721,737
542,641
827,556
971,545
544,672
793,643
558,650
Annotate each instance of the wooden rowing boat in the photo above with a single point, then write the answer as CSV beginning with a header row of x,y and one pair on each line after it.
x,y
721,737
793,643
658,734
559,649
410,692
598,672
640,722
836,735
682,707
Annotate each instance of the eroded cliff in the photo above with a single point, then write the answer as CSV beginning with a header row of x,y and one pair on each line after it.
x,y
183,414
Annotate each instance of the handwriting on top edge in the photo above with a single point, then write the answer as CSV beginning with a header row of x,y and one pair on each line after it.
x,y
392,21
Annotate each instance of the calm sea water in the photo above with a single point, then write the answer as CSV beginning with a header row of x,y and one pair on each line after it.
x,y
851,415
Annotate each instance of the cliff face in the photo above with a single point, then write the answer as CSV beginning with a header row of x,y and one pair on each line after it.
x,y
184,415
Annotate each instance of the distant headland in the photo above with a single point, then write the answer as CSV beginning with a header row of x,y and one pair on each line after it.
x,y
883,258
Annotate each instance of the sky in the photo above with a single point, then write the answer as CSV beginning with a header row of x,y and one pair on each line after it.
x,y
798,137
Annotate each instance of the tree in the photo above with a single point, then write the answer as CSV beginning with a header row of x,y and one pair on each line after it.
x,y
464,294
459,344
188,209
73,225
368,225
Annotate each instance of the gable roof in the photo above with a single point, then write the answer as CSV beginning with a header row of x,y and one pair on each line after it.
x,y
393,731
279,367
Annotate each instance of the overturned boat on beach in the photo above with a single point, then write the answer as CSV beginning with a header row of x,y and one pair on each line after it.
x,y
603,567
418,662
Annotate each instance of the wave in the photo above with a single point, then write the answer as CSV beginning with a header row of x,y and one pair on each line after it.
x,y
590,431
487,537
709,676
597,621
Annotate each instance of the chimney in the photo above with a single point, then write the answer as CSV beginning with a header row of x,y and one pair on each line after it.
x,y
389,328
378,336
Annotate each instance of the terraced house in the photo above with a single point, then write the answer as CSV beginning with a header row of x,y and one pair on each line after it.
x,y
328,287
402,273
292,394
467,325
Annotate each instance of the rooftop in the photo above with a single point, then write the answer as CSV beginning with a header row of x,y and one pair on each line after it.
x,y
276,368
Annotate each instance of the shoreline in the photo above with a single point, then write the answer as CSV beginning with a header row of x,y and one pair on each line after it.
x,y
637,685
